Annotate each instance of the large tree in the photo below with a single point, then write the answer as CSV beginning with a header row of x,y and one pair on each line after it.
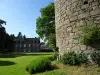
x,y
2,22
45,25
6,40
2,34
20,35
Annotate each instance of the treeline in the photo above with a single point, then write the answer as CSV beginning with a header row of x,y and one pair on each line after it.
x,y
6,40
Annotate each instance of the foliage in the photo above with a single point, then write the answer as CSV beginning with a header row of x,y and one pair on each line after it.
x,y
40,65
45,25
81,58
69,58
6,40
73,58
8,43
19,35
24,37
22,61
55,55
46,50
53,73
90,35
96,57
2,22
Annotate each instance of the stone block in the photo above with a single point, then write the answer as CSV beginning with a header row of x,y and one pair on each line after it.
x,y
95,12
76,48
89,48
97,22
95,3
73,18
69,29
71,34
70,41
83,47
75,41
68,49
83,15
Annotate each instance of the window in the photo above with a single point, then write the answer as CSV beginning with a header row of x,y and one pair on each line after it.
x,y
29,50
16,45
29,45
38,41
22,42
20,45
24,50
18,42
34,41
24,45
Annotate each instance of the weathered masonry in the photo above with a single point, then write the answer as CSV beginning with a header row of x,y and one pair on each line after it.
x,y
70,15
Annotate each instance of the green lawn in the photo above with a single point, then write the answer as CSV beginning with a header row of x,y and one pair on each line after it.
x,y
15,65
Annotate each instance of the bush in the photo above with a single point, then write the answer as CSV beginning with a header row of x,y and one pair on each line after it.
x,y
46,50
39,65
54,73
96,57
69,58
55,55
90,35
72,58
81,58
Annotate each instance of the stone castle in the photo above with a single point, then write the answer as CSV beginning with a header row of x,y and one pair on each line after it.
x,y
73,14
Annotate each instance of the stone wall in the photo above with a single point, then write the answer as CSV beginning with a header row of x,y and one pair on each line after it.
x,y
70,15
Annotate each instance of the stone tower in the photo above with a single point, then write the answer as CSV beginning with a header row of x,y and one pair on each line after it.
x,y
70,15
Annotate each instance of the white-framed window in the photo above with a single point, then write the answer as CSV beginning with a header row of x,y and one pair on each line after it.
x,y
29,50
29,45
20,45
16,46
24,45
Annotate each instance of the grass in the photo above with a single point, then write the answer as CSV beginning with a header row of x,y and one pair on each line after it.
x,y
79,70
40,65
16,65
55,72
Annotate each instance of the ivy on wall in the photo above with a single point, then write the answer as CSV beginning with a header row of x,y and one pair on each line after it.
x,y
90,35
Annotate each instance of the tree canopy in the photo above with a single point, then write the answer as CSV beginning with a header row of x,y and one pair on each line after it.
x,y
6,40
45,25
2,22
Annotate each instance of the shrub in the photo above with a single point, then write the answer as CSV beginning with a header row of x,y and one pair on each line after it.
x,y
39,65
90,35
46,50
55,73
55,55
72,58
96,57
69,58
81,58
